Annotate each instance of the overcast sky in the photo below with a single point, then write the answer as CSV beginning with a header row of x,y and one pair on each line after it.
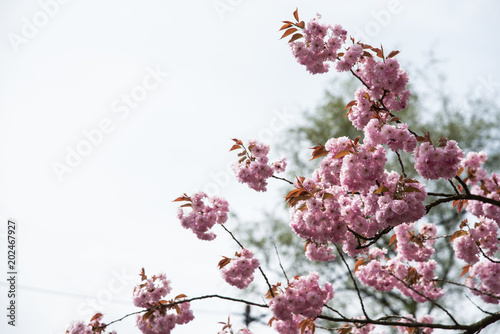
x,y
111,109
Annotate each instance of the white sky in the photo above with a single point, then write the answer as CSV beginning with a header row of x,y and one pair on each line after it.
x,y
229,76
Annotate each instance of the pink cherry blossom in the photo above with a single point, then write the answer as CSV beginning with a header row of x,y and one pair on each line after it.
x,y
239,272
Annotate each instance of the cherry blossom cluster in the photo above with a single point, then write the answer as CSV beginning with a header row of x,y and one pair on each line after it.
x,y
94,326
319,252
488,274
384,92
157,320
203,215
484,234
441,162
382,274
412,246
303,296
320,45
239,271
483,185
253,168
331,214
396,137
290,326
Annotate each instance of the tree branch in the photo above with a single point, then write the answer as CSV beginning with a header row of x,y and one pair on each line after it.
x,y
473,197
260,268
354,281
190,300
282,178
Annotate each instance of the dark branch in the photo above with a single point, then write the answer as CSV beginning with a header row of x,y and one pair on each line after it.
x,y
479,198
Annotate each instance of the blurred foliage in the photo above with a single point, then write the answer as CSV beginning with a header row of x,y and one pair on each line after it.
x,y
430,109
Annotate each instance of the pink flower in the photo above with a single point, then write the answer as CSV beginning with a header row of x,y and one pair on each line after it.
x,y
203,216
148,294
434,163
303,296
319,252
253,169
239,272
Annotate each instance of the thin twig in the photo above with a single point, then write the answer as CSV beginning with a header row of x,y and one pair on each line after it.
x,y
282,178
422,295
486,256
190,300
454,188
480,309
468,287
232,236
353,280
334,310
401,163
281,266
463,184
260,268
479,198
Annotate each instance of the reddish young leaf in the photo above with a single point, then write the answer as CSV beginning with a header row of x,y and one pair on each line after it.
x,y
234,147
183,198
224,262
96,316
307,324
463,223
346,329
319,151
350,104
359,263
180,296
460,203
296,14
393,239
378,52
367,54
413,276
340,54
393,53
460,171
301,24
146,315
286,25
382,189
465,269
289,32
457,234
274,289
327,195
143,275
295,37
442,141
410,189
237,141
342,154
